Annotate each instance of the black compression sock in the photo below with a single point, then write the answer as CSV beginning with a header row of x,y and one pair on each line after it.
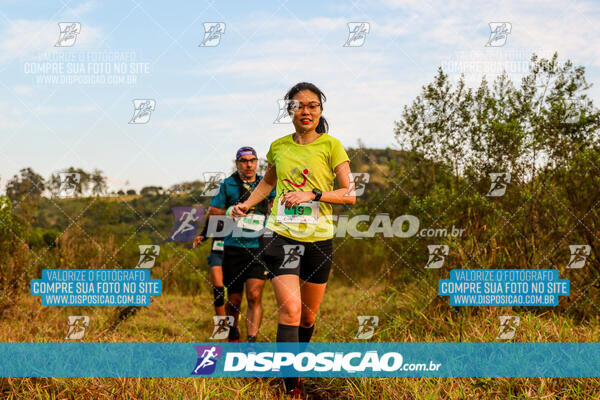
x,y
287,333
304,334
234,333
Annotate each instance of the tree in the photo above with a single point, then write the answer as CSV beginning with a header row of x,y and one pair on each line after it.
x,y
151,191
543,130
99,183
28,185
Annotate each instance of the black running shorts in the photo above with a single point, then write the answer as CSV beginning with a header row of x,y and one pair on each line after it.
x,y
241,264
311,261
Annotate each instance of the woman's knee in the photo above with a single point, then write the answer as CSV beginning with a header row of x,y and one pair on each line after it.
x,y
306,321
291,310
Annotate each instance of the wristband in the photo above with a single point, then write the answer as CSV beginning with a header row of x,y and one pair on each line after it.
x,y
228,212
317,193
204,230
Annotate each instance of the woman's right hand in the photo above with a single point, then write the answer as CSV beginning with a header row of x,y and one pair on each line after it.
x,y
239,210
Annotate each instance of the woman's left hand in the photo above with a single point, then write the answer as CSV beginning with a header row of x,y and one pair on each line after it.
x,y
292,199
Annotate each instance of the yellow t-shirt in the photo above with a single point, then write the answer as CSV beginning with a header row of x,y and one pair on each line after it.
x,y
303,168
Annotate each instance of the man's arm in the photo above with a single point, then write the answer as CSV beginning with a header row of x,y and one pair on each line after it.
x,y
265,187
211,211
215,211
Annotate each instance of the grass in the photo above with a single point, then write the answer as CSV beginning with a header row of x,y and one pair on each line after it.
x,y
408,313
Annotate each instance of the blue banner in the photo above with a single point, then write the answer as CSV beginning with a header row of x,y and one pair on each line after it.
x,y
300,359
504,287
95,287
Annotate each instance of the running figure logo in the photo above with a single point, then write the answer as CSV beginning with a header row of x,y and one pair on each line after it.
x,y
207,359
579,254
508,326
573,110
366,326
69,183
431,114
500,181
499,32
212,180
357,33
185,223
437,255
142,109
286,111
68,33
222,325
148,254
77,326
291,255
212,34
358,183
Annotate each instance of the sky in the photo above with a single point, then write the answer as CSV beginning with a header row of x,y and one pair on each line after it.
x,y
72,104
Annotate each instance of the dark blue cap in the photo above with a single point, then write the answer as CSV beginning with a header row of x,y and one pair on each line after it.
x,y
243,151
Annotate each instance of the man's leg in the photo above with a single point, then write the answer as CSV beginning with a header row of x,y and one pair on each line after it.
x,y
254,290
235,288
216,276
234,303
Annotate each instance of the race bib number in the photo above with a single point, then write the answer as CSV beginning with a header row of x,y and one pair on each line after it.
x,y
218,245
307,213
254,222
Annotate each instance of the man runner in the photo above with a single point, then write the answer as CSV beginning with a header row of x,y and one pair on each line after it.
x,y
242,260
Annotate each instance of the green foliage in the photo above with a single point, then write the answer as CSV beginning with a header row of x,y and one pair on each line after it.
x,y
26,186
543,131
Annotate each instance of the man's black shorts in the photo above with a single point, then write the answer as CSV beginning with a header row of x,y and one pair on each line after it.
x,y
241,264
311,261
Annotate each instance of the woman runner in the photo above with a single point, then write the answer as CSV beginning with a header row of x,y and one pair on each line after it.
x,y
298,243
